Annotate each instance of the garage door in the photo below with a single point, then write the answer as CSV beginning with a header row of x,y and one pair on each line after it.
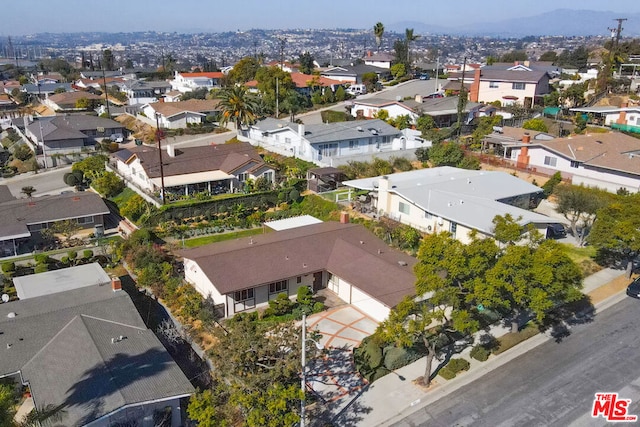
x,y
369,305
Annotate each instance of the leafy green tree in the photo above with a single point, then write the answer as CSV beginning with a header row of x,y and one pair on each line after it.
x,y
92,166
294,102
306,63
537,124
370,79
108,60
7,405
398,70
529,278
485,127
616,231
574,94
272,78
552,99
401,53
425,123
108,184
580,204
549,186
581,123
422,154
245,70
259,366
469,162
548,56
341,94
82,104
208,408
238,106
446,154
514,55
402,122
378,32
135,207
409,38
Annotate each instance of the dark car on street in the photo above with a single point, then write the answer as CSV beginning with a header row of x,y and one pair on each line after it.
x,y
633,290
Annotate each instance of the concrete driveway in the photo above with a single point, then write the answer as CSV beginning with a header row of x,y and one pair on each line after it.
x,y
334,376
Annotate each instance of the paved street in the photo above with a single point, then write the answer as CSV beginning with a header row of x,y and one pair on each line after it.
x,y
553,384
46,182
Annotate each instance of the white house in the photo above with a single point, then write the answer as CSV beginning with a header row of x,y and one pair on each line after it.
x,y
180,114
349,260
606,160
379,59
333,144
144,92
187,82
212,168
625,117
451,199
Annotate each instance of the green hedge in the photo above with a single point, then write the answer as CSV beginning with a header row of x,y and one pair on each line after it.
x,y
209,208
451,369
368,359
479,352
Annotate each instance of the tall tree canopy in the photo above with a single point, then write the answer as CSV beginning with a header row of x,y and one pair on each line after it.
x,y
378,32
238,106
245,70
616,231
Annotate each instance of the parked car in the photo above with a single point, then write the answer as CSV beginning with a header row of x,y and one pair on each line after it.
x,y
633,290
117,137
424,76
556,231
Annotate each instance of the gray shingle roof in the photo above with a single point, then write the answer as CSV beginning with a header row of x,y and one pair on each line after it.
x,y
62,344
467,197
17,214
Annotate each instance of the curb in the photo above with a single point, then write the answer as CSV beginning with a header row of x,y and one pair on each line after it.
x,y
495,362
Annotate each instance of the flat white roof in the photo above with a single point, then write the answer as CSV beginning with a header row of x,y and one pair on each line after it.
x,y
65,279
287,223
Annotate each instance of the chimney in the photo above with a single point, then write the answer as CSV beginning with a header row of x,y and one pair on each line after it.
x,y
344,217
622,117
368,53
419,99
301,130
527,63
474,93
116,284
523,158
171,150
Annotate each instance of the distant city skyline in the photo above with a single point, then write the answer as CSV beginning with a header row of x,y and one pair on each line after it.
x,y
69,16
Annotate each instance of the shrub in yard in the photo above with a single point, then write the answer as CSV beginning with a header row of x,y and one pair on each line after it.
x,y
281,304
318,307
368,358
42,259
397,357
41,268
446,373
8,268
87,254
451,369
479,352
72,255
64,260
304,296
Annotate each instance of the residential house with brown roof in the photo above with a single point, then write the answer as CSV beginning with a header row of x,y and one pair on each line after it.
x,y
349,260
178,115
213,168
606,160
304,84
67,101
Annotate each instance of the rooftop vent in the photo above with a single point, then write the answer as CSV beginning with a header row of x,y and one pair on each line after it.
x,y
359,129
11,315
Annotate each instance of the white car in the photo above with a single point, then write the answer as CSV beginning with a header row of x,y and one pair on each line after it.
x,y
117,137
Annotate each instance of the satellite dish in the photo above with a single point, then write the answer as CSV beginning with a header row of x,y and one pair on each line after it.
x,y
5,298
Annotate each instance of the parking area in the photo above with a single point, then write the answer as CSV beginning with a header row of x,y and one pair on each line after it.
x,y
334,376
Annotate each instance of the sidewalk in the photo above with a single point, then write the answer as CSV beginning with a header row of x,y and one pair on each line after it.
x,y
395,396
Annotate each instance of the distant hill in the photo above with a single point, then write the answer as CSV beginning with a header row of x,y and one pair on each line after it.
x,y
560,22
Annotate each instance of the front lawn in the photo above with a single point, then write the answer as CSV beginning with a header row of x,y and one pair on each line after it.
x,y
584,257
123,197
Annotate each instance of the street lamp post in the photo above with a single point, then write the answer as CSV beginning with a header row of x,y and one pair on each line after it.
x,y
303,382
158,137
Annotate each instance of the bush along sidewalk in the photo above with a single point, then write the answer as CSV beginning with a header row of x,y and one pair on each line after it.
x,y
451,369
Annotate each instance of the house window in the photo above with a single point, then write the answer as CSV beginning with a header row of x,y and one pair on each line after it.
x,y
453,227
287,140
268,176
550,161
353,145
243,295
242,177
328,150
518,86
85,220
386,139
277,287
299,279
493,85
575,164
403,208
427,215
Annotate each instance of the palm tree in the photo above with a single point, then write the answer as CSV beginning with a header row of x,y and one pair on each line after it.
x,y
409,37
378,31
238,106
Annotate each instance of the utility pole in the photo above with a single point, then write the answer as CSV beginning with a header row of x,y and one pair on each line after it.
x,y
158,137
277,100
283,41
461,102
617,32
106,93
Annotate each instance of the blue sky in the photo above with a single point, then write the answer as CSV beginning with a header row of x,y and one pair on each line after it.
x,y
55,16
